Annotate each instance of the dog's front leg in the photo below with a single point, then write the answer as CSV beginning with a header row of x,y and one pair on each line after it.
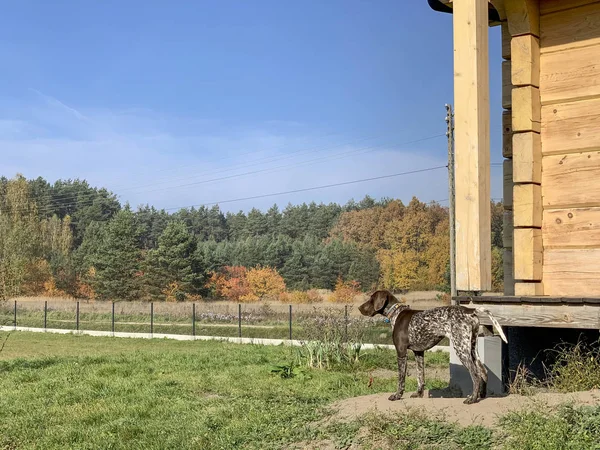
x,y
420,358
401,376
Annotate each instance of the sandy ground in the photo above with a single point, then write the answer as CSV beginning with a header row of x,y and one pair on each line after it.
x,y
486,412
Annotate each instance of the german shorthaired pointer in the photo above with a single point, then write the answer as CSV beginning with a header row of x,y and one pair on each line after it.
x,y
421,330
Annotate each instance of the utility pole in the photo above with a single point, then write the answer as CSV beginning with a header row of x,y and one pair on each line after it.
x,y
450,135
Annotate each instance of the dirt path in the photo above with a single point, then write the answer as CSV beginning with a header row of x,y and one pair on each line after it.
x,y
486,412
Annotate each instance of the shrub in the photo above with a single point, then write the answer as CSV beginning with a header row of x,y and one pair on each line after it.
x,y
265,282
230,283
311,296
345,292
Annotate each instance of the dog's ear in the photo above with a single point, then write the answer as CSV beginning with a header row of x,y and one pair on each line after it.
x,y
379,299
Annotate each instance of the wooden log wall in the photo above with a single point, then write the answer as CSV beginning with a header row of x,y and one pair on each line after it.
x,y
570,146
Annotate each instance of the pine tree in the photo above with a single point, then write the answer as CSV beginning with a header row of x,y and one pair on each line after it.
x,y
173,262
118,259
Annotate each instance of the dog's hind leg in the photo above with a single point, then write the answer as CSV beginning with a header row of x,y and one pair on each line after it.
x,y
420,359
462,347
480,368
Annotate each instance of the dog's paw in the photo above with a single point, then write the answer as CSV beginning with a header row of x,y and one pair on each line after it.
x,y
470,400
417,394
396,396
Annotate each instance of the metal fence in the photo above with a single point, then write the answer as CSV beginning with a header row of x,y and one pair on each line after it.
x,y
222,319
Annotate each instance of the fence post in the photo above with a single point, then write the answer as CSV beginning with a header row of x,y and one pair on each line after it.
x,y
193,319
151,317
45,314
239,320
15,319
77,319
113,318
345,323
290,322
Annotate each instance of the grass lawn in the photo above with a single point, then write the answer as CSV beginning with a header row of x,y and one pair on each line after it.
x,y
68,391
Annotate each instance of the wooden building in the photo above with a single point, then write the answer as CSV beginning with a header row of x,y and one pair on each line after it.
x,y
551,149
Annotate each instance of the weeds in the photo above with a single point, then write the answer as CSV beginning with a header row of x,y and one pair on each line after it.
x,y
576,368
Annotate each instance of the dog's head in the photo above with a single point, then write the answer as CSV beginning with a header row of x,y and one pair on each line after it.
x,y
377,303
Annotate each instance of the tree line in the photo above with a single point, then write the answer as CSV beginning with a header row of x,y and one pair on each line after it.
x,y
70,238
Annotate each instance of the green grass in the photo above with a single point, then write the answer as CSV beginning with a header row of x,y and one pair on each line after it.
x,y
74,391
70,391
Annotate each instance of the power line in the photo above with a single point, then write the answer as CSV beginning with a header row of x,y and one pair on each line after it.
x,y
429,169
93,196
76,199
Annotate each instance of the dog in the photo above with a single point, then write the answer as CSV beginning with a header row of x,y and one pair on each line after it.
x,y
421,330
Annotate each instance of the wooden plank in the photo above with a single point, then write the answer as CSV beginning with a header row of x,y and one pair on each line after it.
x,y
571,180
526,109
472,143
527,205
507,86
506,37
572,272
570,29
507,266
523,17
548,316
550,6
529,288
569,75
507,184
527,253
570,127
507,144
507,229
571,227
525,59
527,158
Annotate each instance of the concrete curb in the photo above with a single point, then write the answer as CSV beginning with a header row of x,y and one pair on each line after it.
x,y
183,337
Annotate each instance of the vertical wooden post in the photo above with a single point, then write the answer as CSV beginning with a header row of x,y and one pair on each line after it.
x,y
472,137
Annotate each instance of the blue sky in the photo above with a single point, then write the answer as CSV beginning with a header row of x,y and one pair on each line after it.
x,y
182,103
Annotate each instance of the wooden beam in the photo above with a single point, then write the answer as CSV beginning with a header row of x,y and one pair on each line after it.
x,y
529,288
507,266
552,6
572,272
472,137
548,316
577,27
528,260
571,180
526,109
527,206
507,227
507,185
571,228
523,17
506,85
507,134
527,158
569,75
571,127
505,40
525,58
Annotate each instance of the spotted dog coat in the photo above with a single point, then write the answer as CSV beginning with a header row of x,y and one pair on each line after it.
x,y
421,330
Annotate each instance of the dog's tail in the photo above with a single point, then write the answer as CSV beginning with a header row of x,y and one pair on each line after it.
x,y
494,322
